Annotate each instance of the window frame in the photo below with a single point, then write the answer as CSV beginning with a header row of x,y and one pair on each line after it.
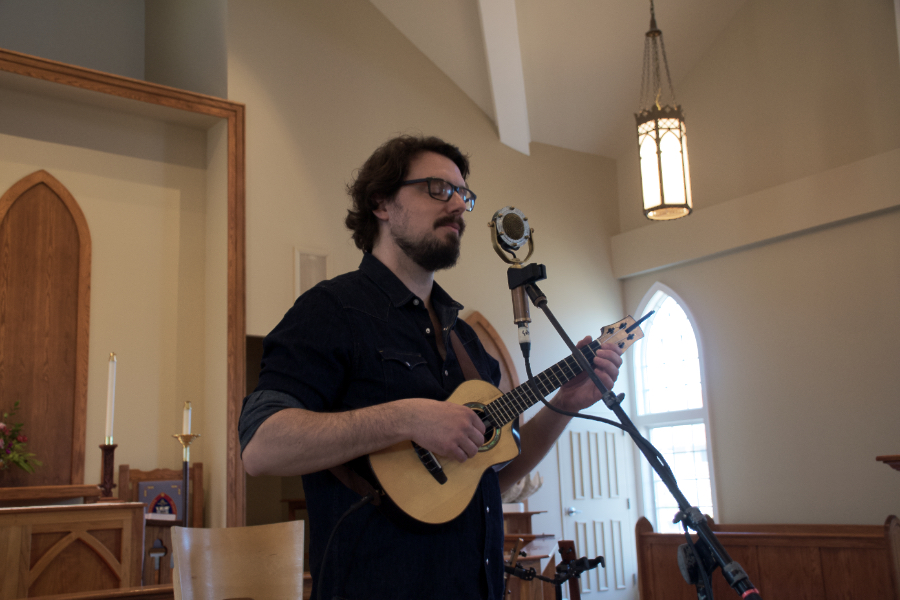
x,y
644,474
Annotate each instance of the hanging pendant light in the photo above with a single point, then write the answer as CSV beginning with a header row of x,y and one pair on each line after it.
x,y
662,141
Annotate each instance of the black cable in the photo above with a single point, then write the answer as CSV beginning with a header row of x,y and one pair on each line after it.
x,y
353,508
635,434
701,564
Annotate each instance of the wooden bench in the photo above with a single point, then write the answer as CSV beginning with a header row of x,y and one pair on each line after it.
x,y
785,562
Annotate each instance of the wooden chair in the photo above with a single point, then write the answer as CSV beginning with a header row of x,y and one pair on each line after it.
x,y
157,537
261,561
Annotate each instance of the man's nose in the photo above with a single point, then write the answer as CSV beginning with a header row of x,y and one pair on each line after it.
x,y
456,202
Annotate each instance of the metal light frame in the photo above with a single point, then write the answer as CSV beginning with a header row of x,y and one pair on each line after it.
x,y
662,138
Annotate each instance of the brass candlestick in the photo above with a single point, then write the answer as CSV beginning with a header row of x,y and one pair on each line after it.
x,y
108,466
186,439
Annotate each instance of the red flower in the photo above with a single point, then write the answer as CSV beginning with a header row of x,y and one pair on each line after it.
x,y
22,438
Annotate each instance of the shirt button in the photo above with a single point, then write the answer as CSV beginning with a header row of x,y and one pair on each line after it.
x,y
416,301
428,330
487,561
446,373
489,509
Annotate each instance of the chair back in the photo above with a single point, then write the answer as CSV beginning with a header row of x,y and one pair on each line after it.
x,y
261,561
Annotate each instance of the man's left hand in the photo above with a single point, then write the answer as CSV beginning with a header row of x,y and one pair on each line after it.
x,y
581,392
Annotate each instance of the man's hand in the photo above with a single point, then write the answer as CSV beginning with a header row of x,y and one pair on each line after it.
x,y
581,392
445,428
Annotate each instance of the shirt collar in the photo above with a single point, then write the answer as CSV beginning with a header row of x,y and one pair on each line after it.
x,y
398,293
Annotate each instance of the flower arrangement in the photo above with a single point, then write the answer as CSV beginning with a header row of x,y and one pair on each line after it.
x,y
12,444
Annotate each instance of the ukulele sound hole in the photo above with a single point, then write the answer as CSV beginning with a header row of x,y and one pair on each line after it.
x,y
491,433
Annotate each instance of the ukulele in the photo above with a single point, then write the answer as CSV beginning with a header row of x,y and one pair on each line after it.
x,y
435,489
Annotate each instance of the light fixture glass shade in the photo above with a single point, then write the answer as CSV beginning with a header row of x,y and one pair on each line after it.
x,y
665,174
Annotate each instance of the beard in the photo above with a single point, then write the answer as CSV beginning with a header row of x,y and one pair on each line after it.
x,y
430,252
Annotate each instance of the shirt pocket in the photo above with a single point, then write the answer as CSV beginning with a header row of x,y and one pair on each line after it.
x,y
406,374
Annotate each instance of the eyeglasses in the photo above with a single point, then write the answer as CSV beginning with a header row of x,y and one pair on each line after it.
x,y
443,190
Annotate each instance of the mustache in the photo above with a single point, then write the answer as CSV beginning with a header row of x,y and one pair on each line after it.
x,y
450,220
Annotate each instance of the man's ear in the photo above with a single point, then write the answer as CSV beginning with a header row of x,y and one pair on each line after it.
x,y
380,211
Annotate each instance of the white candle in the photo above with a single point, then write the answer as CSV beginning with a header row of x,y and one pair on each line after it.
x,y
186,420
110,397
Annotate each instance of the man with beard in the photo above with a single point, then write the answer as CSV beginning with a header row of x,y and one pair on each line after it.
x,y
363,361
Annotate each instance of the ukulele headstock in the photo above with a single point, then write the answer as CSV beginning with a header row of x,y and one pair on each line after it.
x,y
623,333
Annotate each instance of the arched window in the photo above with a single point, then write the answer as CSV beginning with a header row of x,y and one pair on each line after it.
x,y
671,409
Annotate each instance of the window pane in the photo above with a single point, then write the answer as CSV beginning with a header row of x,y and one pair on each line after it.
x,y
684,448
669,362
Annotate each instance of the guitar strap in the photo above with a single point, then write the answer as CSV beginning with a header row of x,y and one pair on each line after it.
x,y
362,487
465,361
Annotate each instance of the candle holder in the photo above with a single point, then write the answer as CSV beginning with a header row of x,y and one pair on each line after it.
x,y
106,473
186,439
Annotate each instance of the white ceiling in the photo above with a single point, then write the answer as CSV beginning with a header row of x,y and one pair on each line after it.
x,y
569,74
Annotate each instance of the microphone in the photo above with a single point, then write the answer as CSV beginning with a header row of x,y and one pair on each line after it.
x,y
511,233
511,228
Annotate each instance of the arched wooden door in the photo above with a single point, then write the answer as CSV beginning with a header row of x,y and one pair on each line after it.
x,y
45,272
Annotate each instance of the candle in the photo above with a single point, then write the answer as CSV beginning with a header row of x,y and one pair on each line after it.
x,y
110,397
186,421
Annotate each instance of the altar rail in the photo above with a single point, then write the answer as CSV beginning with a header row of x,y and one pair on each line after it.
x,y
785,562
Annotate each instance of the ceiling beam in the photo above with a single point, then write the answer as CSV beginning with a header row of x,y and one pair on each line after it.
x,y
504,57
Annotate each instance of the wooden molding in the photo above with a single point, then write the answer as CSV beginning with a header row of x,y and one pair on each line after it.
x,y
856,190
103,85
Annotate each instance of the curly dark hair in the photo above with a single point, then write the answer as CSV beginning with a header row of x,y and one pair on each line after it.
x,y
379,179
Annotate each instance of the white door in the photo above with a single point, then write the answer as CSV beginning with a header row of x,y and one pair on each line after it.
x,y
597,495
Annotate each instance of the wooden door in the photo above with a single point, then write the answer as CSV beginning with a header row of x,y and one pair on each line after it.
x,y
45,266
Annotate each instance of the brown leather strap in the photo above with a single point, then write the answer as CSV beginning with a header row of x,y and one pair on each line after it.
x,y
356,483
465,361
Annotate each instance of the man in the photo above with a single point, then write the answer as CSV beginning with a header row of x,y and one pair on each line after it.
x,y
357,365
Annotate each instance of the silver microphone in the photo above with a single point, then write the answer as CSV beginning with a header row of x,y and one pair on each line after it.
x,y
511,233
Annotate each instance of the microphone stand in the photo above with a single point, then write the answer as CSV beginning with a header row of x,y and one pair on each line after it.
x,y
690,516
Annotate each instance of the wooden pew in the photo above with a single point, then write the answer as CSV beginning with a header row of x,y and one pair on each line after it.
x,y
785,562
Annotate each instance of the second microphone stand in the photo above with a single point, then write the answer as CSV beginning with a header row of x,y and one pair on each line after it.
x,y
707,552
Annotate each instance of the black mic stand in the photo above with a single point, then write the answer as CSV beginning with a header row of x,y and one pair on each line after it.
x,y
690,517
565,571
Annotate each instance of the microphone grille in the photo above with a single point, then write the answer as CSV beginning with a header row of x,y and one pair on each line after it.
x,y
513,226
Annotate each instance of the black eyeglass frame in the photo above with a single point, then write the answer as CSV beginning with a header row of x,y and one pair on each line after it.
x,y
468,198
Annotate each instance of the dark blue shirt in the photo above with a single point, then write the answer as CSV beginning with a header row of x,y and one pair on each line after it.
x,y
362,339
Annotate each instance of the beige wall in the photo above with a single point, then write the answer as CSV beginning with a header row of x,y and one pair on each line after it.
x,y
789,91
349,82
801,333
142,185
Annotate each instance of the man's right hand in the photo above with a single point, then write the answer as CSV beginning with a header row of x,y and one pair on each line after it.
x,y
445,428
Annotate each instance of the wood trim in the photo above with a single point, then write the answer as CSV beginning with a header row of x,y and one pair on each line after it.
x,y
236,512
233,112
23,496
147,592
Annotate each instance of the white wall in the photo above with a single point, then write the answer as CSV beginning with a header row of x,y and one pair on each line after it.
x,y
801,333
